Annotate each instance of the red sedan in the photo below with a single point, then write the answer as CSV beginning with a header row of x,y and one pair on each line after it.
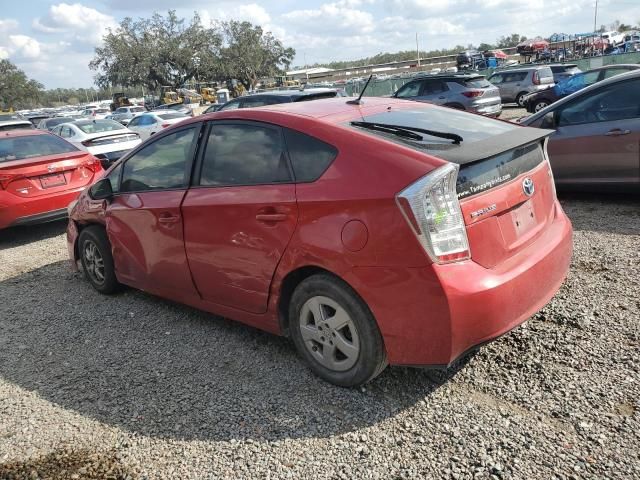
x,y
40,174
388,232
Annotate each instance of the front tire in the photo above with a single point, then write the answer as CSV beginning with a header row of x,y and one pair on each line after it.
x,y
97,261
335,333
540,105
520,99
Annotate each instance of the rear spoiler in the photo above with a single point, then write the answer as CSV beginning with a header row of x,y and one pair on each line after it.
x,y
492,146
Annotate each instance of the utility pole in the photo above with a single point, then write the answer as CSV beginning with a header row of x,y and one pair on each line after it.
x,y
595,19
417,49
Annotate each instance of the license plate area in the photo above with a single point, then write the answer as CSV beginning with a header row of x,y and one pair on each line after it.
x,y
53,180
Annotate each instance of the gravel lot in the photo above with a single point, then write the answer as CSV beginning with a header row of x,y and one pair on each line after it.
x,y
132,386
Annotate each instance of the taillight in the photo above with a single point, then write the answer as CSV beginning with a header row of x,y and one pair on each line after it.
x,y
473,93
432,209
165,125
7,178
94,164
536,78
86,143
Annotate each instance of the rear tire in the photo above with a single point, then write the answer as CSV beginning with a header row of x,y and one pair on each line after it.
x,y
539,105
97,262
520,99
335,332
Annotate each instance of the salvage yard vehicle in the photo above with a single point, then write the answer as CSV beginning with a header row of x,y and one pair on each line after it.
x,y
463,91
376,232
106,139
50,123
150,123
597,135
278,96
40,174
516,83
16,124
537,101
124,114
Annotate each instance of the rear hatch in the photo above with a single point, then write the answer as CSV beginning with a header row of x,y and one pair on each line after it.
x,y
110,139
35,165
504,183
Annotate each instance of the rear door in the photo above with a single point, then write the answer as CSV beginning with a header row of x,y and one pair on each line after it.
x,y
240,214
434,91
598,137
144,221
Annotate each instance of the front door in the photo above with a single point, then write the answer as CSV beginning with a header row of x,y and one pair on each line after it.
x,y
240,214
143,220
598,137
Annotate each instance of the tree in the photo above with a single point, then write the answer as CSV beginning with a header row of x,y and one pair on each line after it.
x,y
157,51
16,89
510,41
248,53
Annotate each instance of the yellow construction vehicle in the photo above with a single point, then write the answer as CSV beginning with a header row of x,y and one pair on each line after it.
x,y
168,96
119,100
208,94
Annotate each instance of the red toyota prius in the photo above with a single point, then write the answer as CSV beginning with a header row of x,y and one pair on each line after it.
x,y
386,232
40,174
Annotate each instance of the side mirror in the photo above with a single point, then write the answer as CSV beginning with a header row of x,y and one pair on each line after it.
x,y
549,121
101,190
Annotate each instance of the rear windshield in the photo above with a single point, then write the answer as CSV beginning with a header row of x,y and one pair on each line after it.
x,y
471,128
19,126
57,121
102,110
315,96
29,146
479,82
99,126
545,72
137,109
479,176
10,116
171,116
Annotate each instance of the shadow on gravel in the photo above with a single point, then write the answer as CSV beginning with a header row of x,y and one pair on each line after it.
x,y
161,369
603,212
16,236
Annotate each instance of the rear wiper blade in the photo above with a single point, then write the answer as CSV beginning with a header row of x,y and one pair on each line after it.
x,y
455,138
395,130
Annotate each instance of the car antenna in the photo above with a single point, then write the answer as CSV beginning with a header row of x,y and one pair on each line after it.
x,y
357,101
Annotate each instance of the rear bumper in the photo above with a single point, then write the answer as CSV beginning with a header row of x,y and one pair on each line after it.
x,y
430,316
27,211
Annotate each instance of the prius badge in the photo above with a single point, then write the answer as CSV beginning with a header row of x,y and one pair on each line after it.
x,y
528,187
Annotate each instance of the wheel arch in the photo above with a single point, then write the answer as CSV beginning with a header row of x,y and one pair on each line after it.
x,y
288,285
80,227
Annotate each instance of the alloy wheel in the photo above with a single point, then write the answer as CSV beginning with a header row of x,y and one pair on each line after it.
x,y
329,333
93,262
540,105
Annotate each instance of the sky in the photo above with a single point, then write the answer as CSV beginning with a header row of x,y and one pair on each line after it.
x,y
53,42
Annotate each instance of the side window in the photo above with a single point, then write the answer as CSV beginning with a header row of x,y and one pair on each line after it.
x,y
310,157
590,78
65,132
615,102
244,155
114,178
411,89
134,122
496,79
433,87
121,110
612,72
160,164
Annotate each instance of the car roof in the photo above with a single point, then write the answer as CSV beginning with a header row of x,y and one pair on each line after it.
x,y
23,133
447,75
607,81
628,66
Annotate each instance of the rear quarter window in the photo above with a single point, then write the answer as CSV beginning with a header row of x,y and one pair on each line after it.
x,y
545,72
310,157
477,83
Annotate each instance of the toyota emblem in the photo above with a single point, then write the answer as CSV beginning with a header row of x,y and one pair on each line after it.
x,y
528,187
51,167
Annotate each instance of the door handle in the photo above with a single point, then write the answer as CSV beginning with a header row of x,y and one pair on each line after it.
x,y
616,132
271,217
168,218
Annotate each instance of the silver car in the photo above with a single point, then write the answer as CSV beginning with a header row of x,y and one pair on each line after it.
x,y
463,91
125,114
516,83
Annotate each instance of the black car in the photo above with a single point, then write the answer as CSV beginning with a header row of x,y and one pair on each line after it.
x,y
539,100
275,97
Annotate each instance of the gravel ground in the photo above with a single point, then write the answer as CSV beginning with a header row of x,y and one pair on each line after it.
x,y
132,386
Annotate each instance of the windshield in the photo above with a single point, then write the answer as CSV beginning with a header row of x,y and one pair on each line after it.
x,y
99,126
29,146
471,128
171,116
